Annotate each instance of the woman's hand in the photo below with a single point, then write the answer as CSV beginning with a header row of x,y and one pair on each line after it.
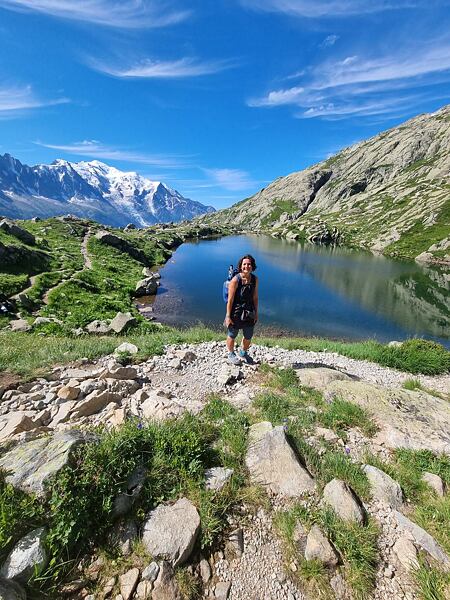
x,y
256,317
228,321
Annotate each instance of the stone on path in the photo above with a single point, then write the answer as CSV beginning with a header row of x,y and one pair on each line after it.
x,y
144,590
318,547
30,465
407,419
341,498
10,590
272,462
406,553
383,487
27,557
320,377
94,403
222,590
68,392
20,325
217,477
159,407
122,321
15,422
117,371
128,582
435,482
229,374
171,531
423,539
166,586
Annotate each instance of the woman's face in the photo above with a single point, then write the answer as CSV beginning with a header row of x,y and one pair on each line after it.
x,y
246,266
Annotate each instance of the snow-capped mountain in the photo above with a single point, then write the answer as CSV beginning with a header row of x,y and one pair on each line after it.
x,y
89,189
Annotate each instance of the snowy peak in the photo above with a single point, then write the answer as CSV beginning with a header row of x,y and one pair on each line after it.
x,y
90,189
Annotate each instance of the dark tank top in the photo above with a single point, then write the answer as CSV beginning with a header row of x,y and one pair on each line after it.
x,y
243,300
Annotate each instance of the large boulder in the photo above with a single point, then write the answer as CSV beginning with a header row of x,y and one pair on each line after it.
x,y
407,419
28,557
345,503
94,403
30,465
110,239
98,327
18,232
320,377
146,287
15,422
170,532
383,487
10,590
272,462
122,321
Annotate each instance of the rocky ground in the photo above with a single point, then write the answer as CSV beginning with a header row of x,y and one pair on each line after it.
x,y
249,564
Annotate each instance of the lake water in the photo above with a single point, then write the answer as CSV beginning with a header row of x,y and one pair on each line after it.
x,y
309,290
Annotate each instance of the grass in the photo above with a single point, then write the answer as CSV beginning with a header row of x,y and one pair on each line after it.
x,y
11,283
432,583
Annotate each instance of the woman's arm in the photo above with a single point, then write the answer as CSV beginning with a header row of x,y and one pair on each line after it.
x,y
231,293
255,298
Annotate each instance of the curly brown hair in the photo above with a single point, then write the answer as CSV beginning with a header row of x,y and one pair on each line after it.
x,y
251,259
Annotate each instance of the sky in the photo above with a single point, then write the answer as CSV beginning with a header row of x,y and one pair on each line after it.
x,y
216,98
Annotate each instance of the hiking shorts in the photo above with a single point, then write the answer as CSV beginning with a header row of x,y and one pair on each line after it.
x,y
247,331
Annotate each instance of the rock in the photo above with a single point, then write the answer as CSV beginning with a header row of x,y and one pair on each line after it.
x,y
327,434
395,344
105,237
383,487
109,586
124,501
235,544
128,582
186,355
13,423
144,590
45,321
146,287
341,498
10,590
166,587
272,462
407,419
94,403
406,553
435,482
423,539
171,531
175,363
20,325
151,572
205,571
320,377
122,321
28,557
126,347
98,327
217,477
228,374
19,232
68,392
318,547
222,590
32,464
159,408
122,535
63,414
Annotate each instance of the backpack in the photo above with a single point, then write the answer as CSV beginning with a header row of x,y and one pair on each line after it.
x,y
231,273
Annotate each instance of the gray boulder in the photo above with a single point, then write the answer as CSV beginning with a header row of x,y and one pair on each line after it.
x,y
28,557
10,590
406,553
15,422
146,287
217,477
18,232
320,377
30,465
94,403
126,347
435,482
20,325
98,327
318,547
383,487
272,462
170,532
105,237
341,498
122,321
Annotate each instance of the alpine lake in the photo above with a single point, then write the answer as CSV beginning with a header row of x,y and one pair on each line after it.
x,y
308,290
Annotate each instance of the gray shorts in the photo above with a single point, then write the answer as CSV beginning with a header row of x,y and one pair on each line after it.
x,y
247,331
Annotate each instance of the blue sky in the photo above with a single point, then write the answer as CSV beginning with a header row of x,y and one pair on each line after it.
x,y
214,97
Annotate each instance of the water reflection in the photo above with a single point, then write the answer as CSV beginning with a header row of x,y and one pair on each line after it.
x,y
311,289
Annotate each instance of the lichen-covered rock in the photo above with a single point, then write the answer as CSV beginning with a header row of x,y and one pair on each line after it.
x,y
28,557
170,532
217,477
383,487
272,462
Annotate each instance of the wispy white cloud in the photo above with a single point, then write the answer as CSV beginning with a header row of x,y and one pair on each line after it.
x,y
94,149
131,14
331,8
155,69
234,180
330,40
367,86
15,101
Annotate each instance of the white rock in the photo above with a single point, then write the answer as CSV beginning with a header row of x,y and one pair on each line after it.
x,y
406,553
27,557
126,347
383,487
217,477
435,482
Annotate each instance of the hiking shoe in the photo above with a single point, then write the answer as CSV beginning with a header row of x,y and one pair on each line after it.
x,y
245,356
233,359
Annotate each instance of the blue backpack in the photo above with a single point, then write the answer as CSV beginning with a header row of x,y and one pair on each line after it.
x,y
231,273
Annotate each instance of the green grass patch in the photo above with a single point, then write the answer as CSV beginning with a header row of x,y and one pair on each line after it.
x,y
341,415
432,583
279,207
11,283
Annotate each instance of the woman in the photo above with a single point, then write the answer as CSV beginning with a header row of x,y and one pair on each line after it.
x,y
242,309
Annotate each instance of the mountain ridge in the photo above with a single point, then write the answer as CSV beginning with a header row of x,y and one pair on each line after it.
x,y
89,189
388,194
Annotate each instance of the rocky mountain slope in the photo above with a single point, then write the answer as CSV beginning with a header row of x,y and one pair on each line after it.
x,y
89,190
389,194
